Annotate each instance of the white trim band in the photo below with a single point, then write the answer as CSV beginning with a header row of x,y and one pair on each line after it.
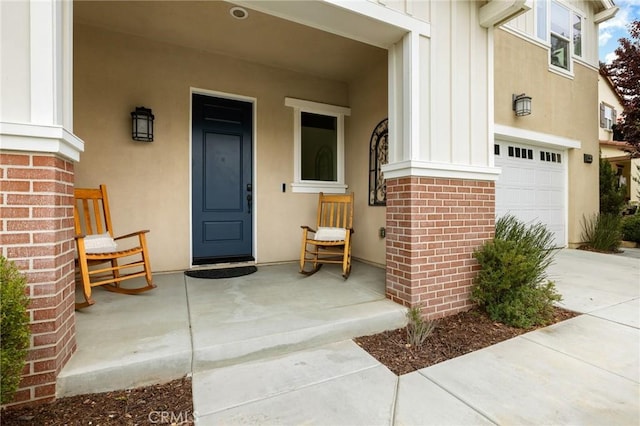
x,y
514,134
440,170
39,138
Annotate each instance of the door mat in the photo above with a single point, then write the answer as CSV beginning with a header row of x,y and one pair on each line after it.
x,y
221,273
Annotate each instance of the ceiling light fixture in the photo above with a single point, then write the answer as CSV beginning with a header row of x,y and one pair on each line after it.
x,y
239,12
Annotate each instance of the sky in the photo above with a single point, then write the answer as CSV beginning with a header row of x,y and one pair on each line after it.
x,y
614,29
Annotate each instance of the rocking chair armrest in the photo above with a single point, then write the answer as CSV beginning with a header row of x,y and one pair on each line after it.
x,y
351,230
133,234
78,236
308,228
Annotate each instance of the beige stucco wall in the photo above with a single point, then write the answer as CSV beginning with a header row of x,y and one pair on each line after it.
x,y
561,106
149,183
368,100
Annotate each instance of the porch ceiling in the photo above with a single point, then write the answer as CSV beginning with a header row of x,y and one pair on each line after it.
x,y
262,38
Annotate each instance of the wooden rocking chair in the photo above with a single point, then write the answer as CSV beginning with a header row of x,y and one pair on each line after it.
x,y
96,247
331,241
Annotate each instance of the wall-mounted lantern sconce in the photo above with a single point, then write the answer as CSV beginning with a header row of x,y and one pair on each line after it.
x,y
142,122
521,104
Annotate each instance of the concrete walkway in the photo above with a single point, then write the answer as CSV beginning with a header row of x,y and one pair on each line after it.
x,y
274,348
580,372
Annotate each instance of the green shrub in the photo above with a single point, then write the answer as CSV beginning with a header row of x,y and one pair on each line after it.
x,y
418,328
14,328
612,195
602,232
512,285
631,228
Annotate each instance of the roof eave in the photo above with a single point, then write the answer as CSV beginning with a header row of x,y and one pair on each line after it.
x,y
609,10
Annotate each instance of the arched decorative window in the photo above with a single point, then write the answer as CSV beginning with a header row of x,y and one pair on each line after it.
x,y
378,155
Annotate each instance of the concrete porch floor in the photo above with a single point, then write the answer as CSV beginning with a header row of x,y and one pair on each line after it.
x,y
258,354
189,325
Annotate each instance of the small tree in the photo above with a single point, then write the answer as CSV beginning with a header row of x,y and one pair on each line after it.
x,y
14,328
624,71
612,195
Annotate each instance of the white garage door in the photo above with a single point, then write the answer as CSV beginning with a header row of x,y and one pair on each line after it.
x,y
532,185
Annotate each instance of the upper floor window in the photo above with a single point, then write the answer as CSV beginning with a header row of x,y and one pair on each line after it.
x,y
562,29
607,116
577,34
318,146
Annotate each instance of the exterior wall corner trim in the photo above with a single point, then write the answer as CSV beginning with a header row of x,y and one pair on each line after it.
x,y
440,170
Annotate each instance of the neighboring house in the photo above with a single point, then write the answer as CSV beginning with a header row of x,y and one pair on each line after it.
x,y
610,106
260,105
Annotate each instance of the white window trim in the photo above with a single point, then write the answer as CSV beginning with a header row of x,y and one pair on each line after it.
x,y
547,43
299,106
573,13
611,119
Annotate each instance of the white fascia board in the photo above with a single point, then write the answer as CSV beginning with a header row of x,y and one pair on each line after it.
x,y
38,138
605,15
385,14
515,134
359,20
497,12
440,170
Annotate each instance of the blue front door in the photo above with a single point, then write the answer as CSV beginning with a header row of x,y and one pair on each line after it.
x,y
222,211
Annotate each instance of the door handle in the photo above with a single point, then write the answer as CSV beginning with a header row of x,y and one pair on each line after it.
x,y
249,199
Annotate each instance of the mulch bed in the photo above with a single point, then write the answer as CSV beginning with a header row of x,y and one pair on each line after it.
x,y
595,250
453,336
169,403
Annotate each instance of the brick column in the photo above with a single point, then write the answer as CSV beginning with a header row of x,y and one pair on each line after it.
x,y
433,227
36,232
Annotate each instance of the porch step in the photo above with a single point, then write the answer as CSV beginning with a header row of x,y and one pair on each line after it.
x,y
323,327
189,325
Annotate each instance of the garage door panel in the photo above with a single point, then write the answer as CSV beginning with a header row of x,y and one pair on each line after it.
x,y
543,198
532,188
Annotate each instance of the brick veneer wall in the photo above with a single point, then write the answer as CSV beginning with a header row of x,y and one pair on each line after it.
x,y
36,232
433,227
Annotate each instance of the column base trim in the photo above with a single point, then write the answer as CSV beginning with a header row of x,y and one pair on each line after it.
x,y
40,138
440,170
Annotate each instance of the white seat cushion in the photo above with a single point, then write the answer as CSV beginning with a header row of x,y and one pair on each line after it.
x,y
330,234
100,243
